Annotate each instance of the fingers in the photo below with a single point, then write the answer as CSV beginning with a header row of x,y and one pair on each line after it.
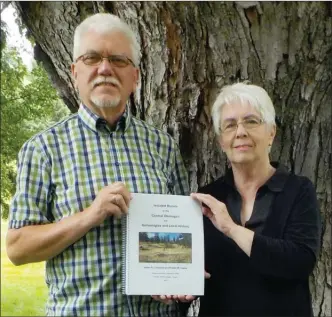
x,y
118,194
184,298
207,275
166,299
207,212
121,189
118,200
210,202
115,210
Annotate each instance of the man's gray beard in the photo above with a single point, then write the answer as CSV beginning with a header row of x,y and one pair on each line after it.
x,y
105,103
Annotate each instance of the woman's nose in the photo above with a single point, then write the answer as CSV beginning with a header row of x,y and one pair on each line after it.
x,y
241,131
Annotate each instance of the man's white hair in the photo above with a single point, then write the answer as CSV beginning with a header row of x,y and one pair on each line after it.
x,y
105,23
243,93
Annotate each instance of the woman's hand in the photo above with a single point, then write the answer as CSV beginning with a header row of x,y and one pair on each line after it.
x,y
217,212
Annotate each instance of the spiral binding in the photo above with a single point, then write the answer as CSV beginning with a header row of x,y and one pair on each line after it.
x,y
124,254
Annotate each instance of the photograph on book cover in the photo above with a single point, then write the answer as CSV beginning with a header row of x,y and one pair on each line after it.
x,y
165,247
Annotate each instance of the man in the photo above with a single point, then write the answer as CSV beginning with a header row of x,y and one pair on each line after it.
x,y
75,178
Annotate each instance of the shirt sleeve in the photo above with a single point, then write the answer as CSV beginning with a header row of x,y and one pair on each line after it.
x,y
30,203
178,174
293,256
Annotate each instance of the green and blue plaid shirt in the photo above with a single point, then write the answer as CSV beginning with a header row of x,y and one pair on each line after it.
x,y
60,172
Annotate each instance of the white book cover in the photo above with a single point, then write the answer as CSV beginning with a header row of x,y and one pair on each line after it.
x,y
163,246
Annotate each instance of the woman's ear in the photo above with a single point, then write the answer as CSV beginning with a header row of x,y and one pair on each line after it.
x,y
272,134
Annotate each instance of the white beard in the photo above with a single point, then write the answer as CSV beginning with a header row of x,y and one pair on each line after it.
x,y
105,103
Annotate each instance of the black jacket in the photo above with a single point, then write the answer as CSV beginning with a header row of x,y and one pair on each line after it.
x,y
274,280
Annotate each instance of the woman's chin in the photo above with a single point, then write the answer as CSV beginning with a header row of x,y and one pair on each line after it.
x,y
243,160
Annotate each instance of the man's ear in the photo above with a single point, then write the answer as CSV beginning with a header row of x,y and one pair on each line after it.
x,y
136,78
73,71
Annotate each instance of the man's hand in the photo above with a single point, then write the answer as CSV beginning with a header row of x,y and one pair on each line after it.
x,y
168,299
112,200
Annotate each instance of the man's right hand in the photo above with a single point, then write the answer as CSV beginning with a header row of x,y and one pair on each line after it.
x,y
112,200
42,242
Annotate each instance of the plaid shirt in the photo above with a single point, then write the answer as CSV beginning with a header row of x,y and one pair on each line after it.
x,y
60,172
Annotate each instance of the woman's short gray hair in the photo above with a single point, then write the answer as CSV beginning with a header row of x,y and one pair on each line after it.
x,y
104,23
243,93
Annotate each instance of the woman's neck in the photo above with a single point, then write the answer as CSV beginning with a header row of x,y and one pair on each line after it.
x,y
249,177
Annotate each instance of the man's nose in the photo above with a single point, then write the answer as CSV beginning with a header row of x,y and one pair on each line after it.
x,y
105,67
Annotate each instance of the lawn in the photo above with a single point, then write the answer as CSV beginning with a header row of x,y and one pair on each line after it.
x,y
23,289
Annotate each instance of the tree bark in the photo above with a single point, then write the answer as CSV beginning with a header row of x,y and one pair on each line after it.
x,y
190,50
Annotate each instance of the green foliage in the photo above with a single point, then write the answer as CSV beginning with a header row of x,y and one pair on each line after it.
x,y
3,34
28,104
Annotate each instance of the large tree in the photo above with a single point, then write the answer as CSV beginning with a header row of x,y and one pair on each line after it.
x,y
190,50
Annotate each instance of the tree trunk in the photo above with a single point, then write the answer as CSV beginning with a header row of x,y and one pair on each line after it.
x,y
190,50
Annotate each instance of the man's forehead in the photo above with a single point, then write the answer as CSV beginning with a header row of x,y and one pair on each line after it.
x,y
105,41
114,34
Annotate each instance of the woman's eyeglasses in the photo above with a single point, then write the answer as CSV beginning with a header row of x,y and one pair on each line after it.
x,y
248,123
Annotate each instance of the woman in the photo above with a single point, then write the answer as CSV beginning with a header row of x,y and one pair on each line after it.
x,y
262,224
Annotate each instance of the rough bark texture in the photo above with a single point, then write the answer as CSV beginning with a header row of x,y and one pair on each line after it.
x,y
190,50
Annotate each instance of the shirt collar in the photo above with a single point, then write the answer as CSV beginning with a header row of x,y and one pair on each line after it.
x,y
278,179
99,125
275,183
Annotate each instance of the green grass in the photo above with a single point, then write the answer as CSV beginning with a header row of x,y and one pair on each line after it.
x,y
152,252
23,288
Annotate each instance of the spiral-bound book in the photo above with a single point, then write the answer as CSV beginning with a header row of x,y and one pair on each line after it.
x,y
163,246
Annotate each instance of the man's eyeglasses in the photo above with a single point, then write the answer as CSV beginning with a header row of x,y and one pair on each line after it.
x,y
248,123
94,59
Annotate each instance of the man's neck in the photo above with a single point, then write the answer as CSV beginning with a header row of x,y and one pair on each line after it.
x,y
110,114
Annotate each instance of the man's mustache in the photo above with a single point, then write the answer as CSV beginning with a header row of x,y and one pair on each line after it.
x,y
106,80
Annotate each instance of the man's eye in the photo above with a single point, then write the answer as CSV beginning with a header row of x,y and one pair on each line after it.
x,y
92,58
116,58
119,60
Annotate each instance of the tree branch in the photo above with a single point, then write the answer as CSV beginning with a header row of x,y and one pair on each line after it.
x,y
4,5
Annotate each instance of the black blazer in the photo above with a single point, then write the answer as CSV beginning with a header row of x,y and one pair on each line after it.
x,y
274,280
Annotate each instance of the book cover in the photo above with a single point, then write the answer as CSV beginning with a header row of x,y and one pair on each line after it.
x,y
163,246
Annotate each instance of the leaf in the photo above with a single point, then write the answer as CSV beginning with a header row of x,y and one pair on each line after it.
x,y
29,104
